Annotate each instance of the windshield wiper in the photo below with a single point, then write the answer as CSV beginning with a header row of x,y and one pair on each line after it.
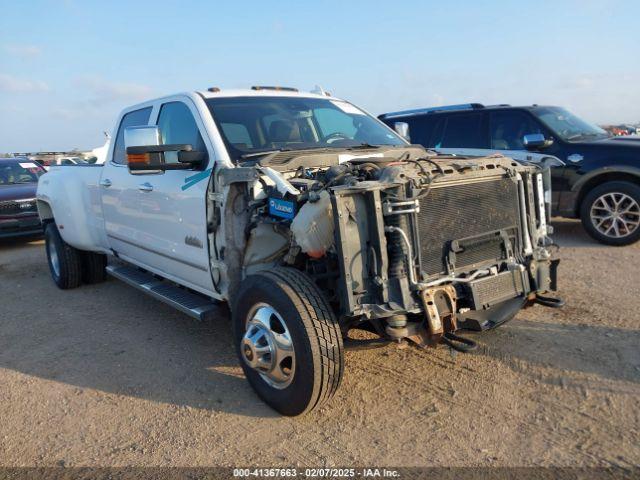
x,y
583,135
362,146
265,152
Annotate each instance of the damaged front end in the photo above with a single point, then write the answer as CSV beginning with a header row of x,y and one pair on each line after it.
x,y
405,243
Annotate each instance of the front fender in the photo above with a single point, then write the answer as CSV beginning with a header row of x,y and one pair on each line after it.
x,y
609,169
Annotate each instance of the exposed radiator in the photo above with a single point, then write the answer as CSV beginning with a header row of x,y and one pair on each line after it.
x,y
472,214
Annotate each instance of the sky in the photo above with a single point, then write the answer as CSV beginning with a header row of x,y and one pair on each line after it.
x,y
67,67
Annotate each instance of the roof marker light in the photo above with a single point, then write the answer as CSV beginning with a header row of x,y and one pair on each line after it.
x,y
277,88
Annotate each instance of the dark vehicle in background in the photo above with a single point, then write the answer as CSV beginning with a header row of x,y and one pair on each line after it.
x,y
18,184
598,183
46,163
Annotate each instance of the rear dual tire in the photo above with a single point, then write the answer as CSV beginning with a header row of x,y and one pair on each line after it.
x,y
69,266
93,267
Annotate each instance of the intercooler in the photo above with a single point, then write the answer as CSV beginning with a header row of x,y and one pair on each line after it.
x,y
467,225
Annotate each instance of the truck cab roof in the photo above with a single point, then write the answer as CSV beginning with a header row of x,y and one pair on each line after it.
x,y
215,92
259,91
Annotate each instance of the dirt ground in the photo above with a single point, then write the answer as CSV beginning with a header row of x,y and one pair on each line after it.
x,y
104,375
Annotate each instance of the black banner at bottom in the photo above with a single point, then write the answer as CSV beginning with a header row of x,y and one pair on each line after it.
x,y
205,473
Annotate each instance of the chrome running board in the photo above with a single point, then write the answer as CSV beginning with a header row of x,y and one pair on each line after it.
x,y
193,304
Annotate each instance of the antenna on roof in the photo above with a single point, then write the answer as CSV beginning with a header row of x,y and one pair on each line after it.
x,y
318,90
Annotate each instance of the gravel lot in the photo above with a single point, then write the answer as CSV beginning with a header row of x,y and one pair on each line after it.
x,y
104,375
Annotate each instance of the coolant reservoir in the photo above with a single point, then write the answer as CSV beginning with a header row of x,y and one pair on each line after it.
x,y
313,227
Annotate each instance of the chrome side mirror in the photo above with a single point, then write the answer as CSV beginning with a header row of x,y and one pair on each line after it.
x,y
536,141
142,136
402,129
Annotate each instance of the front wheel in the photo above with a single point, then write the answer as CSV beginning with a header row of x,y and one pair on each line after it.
x,y
610,213
288,340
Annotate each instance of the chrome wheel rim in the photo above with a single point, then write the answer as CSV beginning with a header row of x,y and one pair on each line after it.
x,y
615,215
54,259
267,346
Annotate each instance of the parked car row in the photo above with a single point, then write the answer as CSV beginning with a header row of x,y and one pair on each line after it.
x,y
18,209
596,180
46,163
621,130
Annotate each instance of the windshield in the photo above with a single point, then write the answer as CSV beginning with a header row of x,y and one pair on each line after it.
x,y
566,125
251,125
13,172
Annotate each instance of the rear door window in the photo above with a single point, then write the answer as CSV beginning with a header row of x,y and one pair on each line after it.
x,y
132,119
420,130
463,131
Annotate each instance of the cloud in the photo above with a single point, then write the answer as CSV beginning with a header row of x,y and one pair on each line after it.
x,y
97,99
69,113
12,109
580,82
103,91
9,83
25,51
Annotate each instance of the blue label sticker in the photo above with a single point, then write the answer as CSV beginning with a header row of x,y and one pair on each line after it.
x,y
281,208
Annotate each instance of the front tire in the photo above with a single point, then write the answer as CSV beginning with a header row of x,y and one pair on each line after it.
x,y
65,262
610,213
288,340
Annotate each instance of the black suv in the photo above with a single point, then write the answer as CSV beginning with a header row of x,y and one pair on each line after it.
x,y
600,179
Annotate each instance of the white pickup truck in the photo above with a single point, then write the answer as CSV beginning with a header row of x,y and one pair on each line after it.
x,y
311,218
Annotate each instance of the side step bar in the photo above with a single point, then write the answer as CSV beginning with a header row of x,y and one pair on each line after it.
x,y
192,304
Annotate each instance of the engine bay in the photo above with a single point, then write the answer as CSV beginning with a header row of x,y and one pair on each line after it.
x,y
413,244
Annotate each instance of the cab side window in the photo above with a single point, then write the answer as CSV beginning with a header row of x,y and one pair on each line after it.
x,y
508,129
131,119
177,126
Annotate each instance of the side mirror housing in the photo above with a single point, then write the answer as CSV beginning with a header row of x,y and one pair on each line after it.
x,y
144,152
536,141
150,157
402,129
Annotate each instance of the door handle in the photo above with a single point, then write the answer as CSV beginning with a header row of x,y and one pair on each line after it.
x,y
105,182
145,187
